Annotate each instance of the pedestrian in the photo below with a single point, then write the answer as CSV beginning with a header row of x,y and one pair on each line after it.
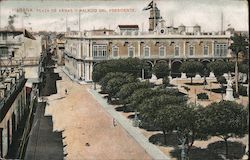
x,y
66,92
114,122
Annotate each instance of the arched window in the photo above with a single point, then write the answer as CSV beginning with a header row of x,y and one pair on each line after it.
x,y
205,50
191,50
146,51
115,51
162,51
131,51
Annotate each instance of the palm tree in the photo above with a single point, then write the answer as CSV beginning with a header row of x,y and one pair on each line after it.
x,y
239,45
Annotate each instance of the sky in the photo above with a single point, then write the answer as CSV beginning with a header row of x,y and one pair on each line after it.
x,y
96,14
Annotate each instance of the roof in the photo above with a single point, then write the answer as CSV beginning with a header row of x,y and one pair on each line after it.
x,y
103,29
128,26
17,31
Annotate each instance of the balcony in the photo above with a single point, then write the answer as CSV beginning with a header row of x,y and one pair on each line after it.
x,y
10,96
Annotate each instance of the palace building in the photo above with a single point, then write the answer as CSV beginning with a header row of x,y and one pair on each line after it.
x,y
173,45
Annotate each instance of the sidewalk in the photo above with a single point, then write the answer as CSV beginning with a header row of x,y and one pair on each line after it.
x,y
71,77
151,149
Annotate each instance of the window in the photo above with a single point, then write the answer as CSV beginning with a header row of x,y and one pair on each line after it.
x,y
3,52
95,51
146,51
191,50
176,51
162,51
99,51
115,51
4,36
220,49
131,51
205,50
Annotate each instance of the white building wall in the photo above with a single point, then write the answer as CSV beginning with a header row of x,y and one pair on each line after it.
x,y
8,117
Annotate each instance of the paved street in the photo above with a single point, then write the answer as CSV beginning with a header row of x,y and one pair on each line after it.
x,y
87,129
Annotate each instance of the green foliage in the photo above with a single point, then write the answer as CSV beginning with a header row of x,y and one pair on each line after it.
x,y
128,89
221,80
191,68
166,81
242,90
161,70
202,96
114,85
225,119
218,67
104,81
239,44
243,68
231,66
130,65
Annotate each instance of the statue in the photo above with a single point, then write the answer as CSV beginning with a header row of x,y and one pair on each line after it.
x,y
229,91
229,82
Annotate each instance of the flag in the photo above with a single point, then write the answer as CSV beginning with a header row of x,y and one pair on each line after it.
x,y
150,5
28,35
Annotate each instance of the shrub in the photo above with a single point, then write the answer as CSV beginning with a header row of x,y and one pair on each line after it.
x,y
242,91
202,96
221,80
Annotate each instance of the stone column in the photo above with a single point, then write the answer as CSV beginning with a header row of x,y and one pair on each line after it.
x,y
87,71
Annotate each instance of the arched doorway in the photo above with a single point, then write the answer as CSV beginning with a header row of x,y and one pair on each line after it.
x,y
205,63
175,68
147,69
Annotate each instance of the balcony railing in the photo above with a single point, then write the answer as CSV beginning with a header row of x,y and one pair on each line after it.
x,y
10,93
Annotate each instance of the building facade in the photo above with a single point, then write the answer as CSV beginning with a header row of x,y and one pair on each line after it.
x,y
173,45
12,106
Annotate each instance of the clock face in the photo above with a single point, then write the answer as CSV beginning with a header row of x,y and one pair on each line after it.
x,y
162,30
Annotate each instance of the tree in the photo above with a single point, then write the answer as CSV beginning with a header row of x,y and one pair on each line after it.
x,y
104,81
114,85
142,94
239,45
218,67
157,111
130,65
129,88
161,70
243,68
166,81
191,68
225,119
